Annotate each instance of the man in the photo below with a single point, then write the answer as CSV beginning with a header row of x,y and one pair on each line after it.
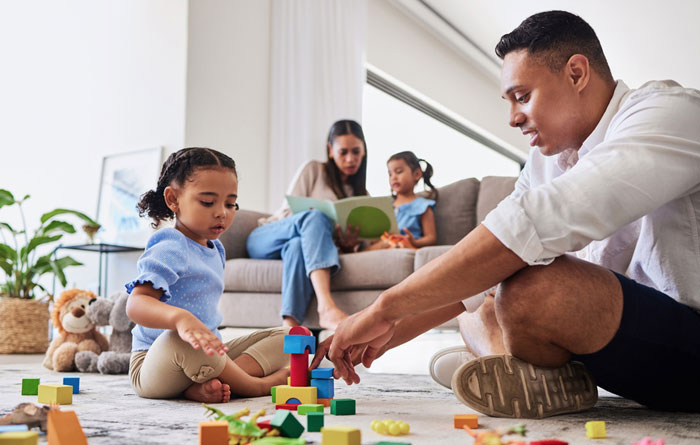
x,y
613,178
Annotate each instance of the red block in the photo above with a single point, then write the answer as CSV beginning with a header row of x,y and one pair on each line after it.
x,y
264,424
299,330
287,406
549,442
299,369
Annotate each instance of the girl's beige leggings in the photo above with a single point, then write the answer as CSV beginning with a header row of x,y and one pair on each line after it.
x,y
171,365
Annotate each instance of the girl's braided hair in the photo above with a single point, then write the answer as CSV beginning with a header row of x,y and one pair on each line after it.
x,y
178,168
413,163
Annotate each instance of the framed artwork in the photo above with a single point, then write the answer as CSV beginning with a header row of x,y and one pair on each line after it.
x,y
125,177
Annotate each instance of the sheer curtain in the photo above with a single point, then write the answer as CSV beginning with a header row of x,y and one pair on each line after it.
x,y
317,73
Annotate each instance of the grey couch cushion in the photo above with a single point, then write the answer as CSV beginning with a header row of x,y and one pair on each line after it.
x,y
493,190
234,238
425,255
455,210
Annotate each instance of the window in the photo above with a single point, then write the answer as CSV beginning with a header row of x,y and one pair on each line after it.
x,y
392,125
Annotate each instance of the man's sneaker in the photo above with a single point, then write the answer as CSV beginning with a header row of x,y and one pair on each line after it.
x,y
504,386
446,361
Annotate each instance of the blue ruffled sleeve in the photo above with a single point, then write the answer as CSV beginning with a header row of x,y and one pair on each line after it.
x,y
163,262
419,205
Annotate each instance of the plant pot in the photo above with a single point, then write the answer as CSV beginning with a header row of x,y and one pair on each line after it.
x,y
24,326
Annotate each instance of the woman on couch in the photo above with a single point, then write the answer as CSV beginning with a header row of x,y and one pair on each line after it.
x,y
305,241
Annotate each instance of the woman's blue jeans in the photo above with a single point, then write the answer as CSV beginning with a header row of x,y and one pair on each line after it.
x,y
304,242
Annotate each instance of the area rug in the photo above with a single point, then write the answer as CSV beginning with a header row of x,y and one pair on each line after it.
x,y
111,413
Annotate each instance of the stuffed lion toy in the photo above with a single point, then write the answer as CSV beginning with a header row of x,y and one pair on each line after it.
x,y
76,332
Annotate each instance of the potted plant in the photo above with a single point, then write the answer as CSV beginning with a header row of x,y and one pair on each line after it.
x,y
24,303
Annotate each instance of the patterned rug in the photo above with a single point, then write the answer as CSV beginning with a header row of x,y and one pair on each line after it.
x,y
111,413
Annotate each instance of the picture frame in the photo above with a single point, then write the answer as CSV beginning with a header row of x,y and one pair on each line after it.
x,y
123,179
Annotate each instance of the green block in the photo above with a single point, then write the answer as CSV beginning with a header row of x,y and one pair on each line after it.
x,y
309,408
280,441
393,443
314,422
273,392
30,387
343,407
288,425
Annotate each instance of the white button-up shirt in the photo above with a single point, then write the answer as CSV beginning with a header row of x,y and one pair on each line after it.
x,y
628,199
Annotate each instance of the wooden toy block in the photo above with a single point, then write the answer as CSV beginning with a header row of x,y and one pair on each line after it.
x,y
322,373
264,424
324,402
299,330
289,381
549,442
304,394
213,432
299,369
273,393
343,407
392,443
471,420
288,406
314,422
307,408
63,428
19,438
280,441
340,435
12,428
55,394
326,388
74,382
30,387
595,429
288,425
297,344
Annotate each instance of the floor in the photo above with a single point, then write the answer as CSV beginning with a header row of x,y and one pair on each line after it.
x,y
397,387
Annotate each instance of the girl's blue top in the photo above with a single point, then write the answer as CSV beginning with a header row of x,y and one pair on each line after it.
x,y
408,215
190,275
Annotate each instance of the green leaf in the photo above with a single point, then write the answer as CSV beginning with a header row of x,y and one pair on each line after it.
x,y
7,252
6,198
5,266
67,261
58,225
46,216
9,227
38,241
59,273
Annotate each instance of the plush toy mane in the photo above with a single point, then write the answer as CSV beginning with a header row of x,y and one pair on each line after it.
x,y
65,297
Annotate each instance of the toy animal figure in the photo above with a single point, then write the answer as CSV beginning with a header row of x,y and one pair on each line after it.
x,y
76,332
33,416
241,432
494,437
396,241
109,312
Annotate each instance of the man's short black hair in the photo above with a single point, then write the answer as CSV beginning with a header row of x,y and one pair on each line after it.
x,y
553,37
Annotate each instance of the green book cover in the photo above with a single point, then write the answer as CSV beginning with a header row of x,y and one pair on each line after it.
x,y
373,214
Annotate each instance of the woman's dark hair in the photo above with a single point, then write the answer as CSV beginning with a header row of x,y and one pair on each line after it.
x,y
178,168
358,181
553,37
413,163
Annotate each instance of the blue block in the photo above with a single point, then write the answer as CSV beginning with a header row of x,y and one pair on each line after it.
x,y
74,382
297,344
10,428
324,388
322,373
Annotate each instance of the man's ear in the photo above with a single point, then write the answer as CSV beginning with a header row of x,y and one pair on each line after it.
x,y
579,71
170,195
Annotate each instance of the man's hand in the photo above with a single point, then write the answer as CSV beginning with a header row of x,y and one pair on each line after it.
x,y
365,331
347,241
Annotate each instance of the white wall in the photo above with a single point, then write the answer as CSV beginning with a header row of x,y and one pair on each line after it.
x,y
227,88
82,79
403,48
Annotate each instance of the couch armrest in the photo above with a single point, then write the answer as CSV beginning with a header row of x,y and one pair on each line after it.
x,y
234,239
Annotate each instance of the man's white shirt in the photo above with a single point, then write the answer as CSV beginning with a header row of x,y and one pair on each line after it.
x,y
628,199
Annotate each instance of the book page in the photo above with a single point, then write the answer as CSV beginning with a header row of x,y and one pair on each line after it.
x,y
373,214
300,204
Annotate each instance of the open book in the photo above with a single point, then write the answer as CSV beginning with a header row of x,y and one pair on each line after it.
x,y
373,214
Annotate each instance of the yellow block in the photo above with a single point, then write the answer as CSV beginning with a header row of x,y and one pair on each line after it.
x,y
56,394
340,435
305,394
595,429
19,438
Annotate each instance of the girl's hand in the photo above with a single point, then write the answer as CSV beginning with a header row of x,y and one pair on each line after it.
x,y
197,334
409,237
347,241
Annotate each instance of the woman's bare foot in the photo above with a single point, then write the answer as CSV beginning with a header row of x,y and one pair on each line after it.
x,y
212,391
330,318
289,322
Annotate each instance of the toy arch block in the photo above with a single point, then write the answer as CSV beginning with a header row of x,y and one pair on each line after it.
x,y
298,344
288,425
56,394
304,394
340,435
213,432
63,428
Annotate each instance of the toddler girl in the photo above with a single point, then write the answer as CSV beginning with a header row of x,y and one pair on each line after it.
x,y
414,214
176,347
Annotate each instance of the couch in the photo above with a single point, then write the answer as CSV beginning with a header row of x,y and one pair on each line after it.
x,y
252,287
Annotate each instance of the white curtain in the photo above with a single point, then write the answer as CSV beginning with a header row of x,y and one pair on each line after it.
x,y
317,73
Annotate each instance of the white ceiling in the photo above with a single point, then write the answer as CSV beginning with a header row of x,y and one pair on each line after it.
x,y
642,39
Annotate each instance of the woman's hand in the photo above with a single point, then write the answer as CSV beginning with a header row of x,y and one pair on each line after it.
x,y
197,334
347,242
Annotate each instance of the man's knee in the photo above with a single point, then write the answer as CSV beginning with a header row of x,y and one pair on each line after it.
x,y
516,297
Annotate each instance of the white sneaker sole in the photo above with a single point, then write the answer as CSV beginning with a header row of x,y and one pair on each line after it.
x,y
440,354
505,386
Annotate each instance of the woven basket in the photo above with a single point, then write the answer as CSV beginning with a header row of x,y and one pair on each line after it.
x,y
24,326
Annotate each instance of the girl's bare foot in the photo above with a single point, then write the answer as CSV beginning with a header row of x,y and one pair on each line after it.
x,y
330,318
212,391
278,377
